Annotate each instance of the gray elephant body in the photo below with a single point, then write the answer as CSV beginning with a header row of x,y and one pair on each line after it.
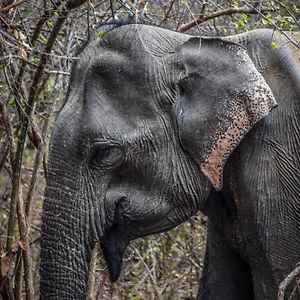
x,y
152,121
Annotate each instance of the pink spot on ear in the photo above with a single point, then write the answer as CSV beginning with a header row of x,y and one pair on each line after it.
x,y
213,165
243,115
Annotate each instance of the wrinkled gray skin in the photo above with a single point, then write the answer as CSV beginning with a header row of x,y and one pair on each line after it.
x,y
157,125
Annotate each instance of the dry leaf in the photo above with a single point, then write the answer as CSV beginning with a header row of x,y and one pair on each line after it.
x,y
4,266
14,245
22,36
16,34
22,53
22,245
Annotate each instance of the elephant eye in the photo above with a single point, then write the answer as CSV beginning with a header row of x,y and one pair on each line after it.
x,y
187,82
104,156
182,85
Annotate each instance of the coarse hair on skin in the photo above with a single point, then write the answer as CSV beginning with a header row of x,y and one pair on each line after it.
x,y
112,22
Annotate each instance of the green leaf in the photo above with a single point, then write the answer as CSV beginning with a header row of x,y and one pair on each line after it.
x,y
275,44
235,4
265,22
268,16
101,34
296,8
43,37
49,23
244,17
12,103
240,23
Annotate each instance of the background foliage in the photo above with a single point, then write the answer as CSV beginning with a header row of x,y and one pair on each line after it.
x,y
38,41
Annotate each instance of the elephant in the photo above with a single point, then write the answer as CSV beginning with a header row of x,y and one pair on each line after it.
x,y
157,125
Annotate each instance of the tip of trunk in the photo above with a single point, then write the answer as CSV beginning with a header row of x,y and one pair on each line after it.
x,y
113,248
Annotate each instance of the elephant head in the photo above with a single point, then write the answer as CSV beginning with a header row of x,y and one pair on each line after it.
x,y
149,120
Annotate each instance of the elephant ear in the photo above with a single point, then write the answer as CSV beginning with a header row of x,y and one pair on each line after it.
x,y
221,97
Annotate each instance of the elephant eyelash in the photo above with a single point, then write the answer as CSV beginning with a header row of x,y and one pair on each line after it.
x,y
187,81
104,155
182,84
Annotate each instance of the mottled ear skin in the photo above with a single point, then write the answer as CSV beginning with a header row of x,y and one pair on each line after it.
x,y
221,98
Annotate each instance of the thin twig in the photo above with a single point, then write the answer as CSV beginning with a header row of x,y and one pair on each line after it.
x,y
3,155
35,175
287,281
18,45
289,12
29,289
296,287
9,7
112,9
225,12
168,12
24,127
9,131
18,275
158,292
92,273
272,23
102,284
47,71
37,161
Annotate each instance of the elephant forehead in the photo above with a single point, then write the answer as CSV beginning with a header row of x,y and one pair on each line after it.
x,y
118,98
118,107
109,124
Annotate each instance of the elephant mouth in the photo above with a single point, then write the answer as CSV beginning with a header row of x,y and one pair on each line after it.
x,y
113,247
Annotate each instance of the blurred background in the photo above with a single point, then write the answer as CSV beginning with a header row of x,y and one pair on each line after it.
x,y
38,42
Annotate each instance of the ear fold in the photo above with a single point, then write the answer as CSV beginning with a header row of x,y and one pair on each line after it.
x,y
221,98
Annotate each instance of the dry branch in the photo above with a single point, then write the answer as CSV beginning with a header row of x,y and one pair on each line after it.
x,y
9,130
33,94
92,273
29,289
150,273
275,26
16,203
168,12
225,12
287,281
3,155
9,7
72,4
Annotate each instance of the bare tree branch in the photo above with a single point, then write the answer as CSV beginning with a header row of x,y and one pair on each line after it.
x,y
72,4
225,12
9,7
287,281
275,25
29,289
24,127
168,12
92,275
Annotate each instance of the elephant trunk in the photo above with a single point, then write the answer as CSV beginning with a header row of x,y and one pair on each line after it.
x,y
65,244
